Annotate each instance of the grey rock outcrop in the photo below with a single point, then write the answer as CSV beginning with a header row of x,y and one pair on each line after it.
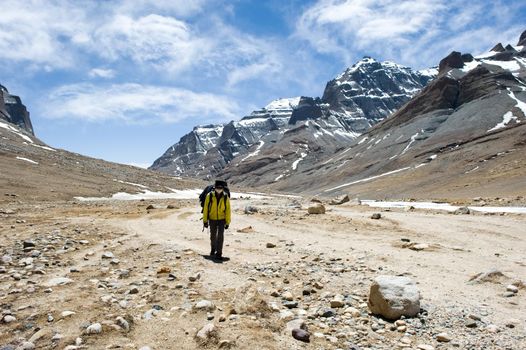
x,y
13,110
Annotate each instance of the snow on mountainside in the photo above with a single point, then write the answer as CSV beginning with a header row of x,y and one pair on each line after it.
x,y
360,97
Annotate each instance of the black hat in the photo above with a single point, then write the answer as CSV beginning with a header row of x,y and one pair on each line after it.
x,y
221,184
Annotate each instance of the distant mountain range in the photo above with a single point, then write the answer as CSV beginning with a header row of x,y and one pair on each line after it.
x,y
360,97
442,131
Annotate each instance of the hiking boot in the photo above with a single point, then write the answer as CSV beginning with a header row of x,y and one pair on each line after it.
x,y
212,252
219,256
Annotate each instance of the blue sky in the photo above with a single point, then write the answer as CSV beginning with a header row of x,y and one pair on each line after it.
x,y
124,80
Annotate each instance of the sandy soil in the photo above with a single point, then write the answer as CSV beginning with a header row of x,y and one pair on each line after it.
x,y
340,252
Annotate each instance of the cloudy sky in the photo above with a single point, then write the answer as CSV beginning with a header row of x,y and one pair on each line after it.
x,y
124,80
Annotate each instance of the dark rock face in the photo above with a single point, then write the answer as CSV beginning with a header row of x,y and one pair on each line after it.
x,y
360,97
498,48
308,108
13,111
375,88
522,39
453,60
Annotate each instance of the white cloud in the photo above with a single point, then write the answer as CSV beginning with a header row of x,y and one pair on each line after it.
x,y
135,103
415,32
101,73
38,32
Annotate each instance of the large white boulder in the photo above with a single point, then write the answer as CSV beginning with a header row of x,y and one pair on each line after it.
x,y
393,296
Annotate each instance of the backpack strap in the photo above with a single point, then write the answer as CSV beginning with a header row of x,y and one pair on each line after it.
x,y
209,195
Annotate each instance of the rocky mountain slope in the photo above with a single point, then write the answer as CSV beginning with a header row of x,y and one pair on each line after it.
x,y
31,170
360,97
12,110
463,134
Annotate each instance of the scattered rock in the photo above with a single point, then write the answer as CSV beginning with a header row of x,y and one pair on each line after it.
x,y
492,275
337,301
288,296
247,229
204,305
67,314
471,324
443,338
376,216
317,208
462,211
9,319
270,245
425,347
251,210
340,200
26,346
95,328
301,335
150,207
419,246
121,322
108,255
225,344
207,332
163,269
28,244
393,297
296,324
512,288
58,281
327,313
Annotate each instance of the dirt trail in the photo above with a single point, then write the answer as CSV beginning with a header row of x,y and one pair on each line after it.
x,y
315,258
459,247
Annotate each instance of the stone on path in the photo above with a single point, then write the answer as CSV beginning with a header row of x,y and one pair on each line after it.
x,y
204,305
340,200
95,328
443,337
207,332
393,297
316,208
301,335
376,216
58,281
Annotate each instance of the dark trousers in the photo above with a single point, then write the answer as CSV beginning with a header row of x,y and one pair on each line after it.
x,y
217,234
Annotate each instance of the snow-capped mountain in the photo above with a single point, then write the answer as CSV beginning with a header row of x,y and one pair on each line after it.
x,y
13,111
207,149
465,130
360,97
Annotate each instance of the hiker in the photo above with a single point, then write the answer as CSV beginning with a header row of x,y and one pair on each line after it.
x,y
216,213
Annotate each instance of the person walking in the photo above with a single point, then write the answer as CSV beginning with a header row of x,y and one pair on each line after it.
x,y
216,214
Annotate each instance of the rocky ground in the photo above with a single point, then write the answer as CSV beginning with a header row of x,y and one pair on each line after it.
x,y
109,275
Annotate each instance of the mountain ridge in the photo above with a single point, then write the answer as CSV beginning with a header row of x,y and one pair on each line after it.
x,y
344,107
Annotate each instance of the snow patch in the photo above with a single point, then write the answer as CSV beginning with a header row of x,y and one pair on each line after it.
x,y
255,153
283,103
442,206
368,179
175,194
508,116
413,139
15,131
131,183
296,162
27,160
